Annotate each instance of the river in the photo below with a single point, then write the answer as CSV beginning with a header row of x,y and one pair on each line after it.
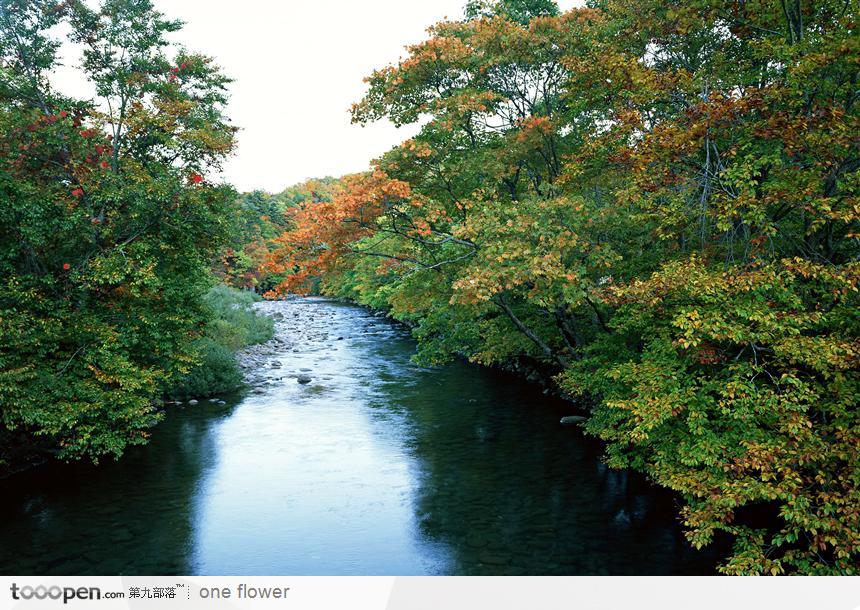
x,y
376,466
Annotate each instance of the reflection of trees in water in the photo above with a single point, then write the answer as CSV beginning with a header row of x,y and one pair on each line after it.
x,y
501,487
134,516
507,490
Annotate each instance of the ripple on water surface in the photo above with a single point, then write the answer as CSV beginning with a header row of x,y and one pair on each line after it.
x,y
373,466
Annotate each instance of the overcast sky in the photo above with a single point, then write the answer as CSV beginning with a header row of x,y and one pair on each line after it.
x,y
298,66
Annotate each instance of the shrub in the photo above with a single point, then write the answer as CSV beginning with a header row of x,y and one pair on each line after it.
x,y
233,324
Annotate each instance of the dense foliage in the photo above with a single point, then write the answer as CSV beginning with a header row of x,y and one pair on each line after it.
x,y
231,325
259,218
658,200
108,225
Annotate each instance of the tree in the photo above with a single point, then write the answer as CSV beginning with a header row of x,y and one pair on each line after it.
x,y
109,224
521,11
656,203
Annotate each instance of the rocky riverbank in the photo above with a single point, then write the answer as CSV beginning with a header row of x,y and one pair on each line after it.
x,y
299,327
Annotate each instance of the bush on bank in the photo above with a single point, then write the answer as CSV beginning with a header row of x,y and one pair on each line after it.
x,y
231,324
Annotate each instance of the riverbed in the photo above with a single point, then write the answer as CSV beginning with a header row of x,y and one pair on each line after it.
x,y
343,457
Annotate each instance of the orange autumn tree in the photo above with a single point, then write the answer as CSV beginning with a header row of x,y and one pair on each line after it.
x,y
324,231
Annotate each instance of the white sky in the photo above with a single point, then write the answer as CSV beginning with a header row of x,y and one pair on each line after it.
x,y
298,66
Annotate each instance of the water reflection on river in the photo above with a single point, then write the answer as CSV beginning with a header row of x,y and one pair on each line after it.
x,y
375,467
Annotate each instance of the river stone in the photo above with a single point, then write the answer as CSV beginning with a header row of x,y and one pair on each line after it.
x,y
192,402
570,420
303,379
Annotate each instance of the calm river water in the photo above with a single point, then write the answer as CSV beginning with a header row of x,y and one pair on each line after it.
x,y
375,467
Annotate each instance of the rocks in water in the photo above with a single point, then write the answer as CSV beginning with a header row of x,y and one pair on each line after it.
x,y
275,365
192,402
622,518
213,400
303,379
570,420
222,402
306,370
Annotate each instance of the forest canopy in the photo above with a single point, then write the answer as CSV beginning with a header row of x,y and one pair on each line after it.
x,y
653,206
655,202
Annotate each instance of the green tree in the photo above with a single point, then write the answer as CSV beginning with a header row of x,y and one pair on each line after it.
x,y
655,203
521,11
108,223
